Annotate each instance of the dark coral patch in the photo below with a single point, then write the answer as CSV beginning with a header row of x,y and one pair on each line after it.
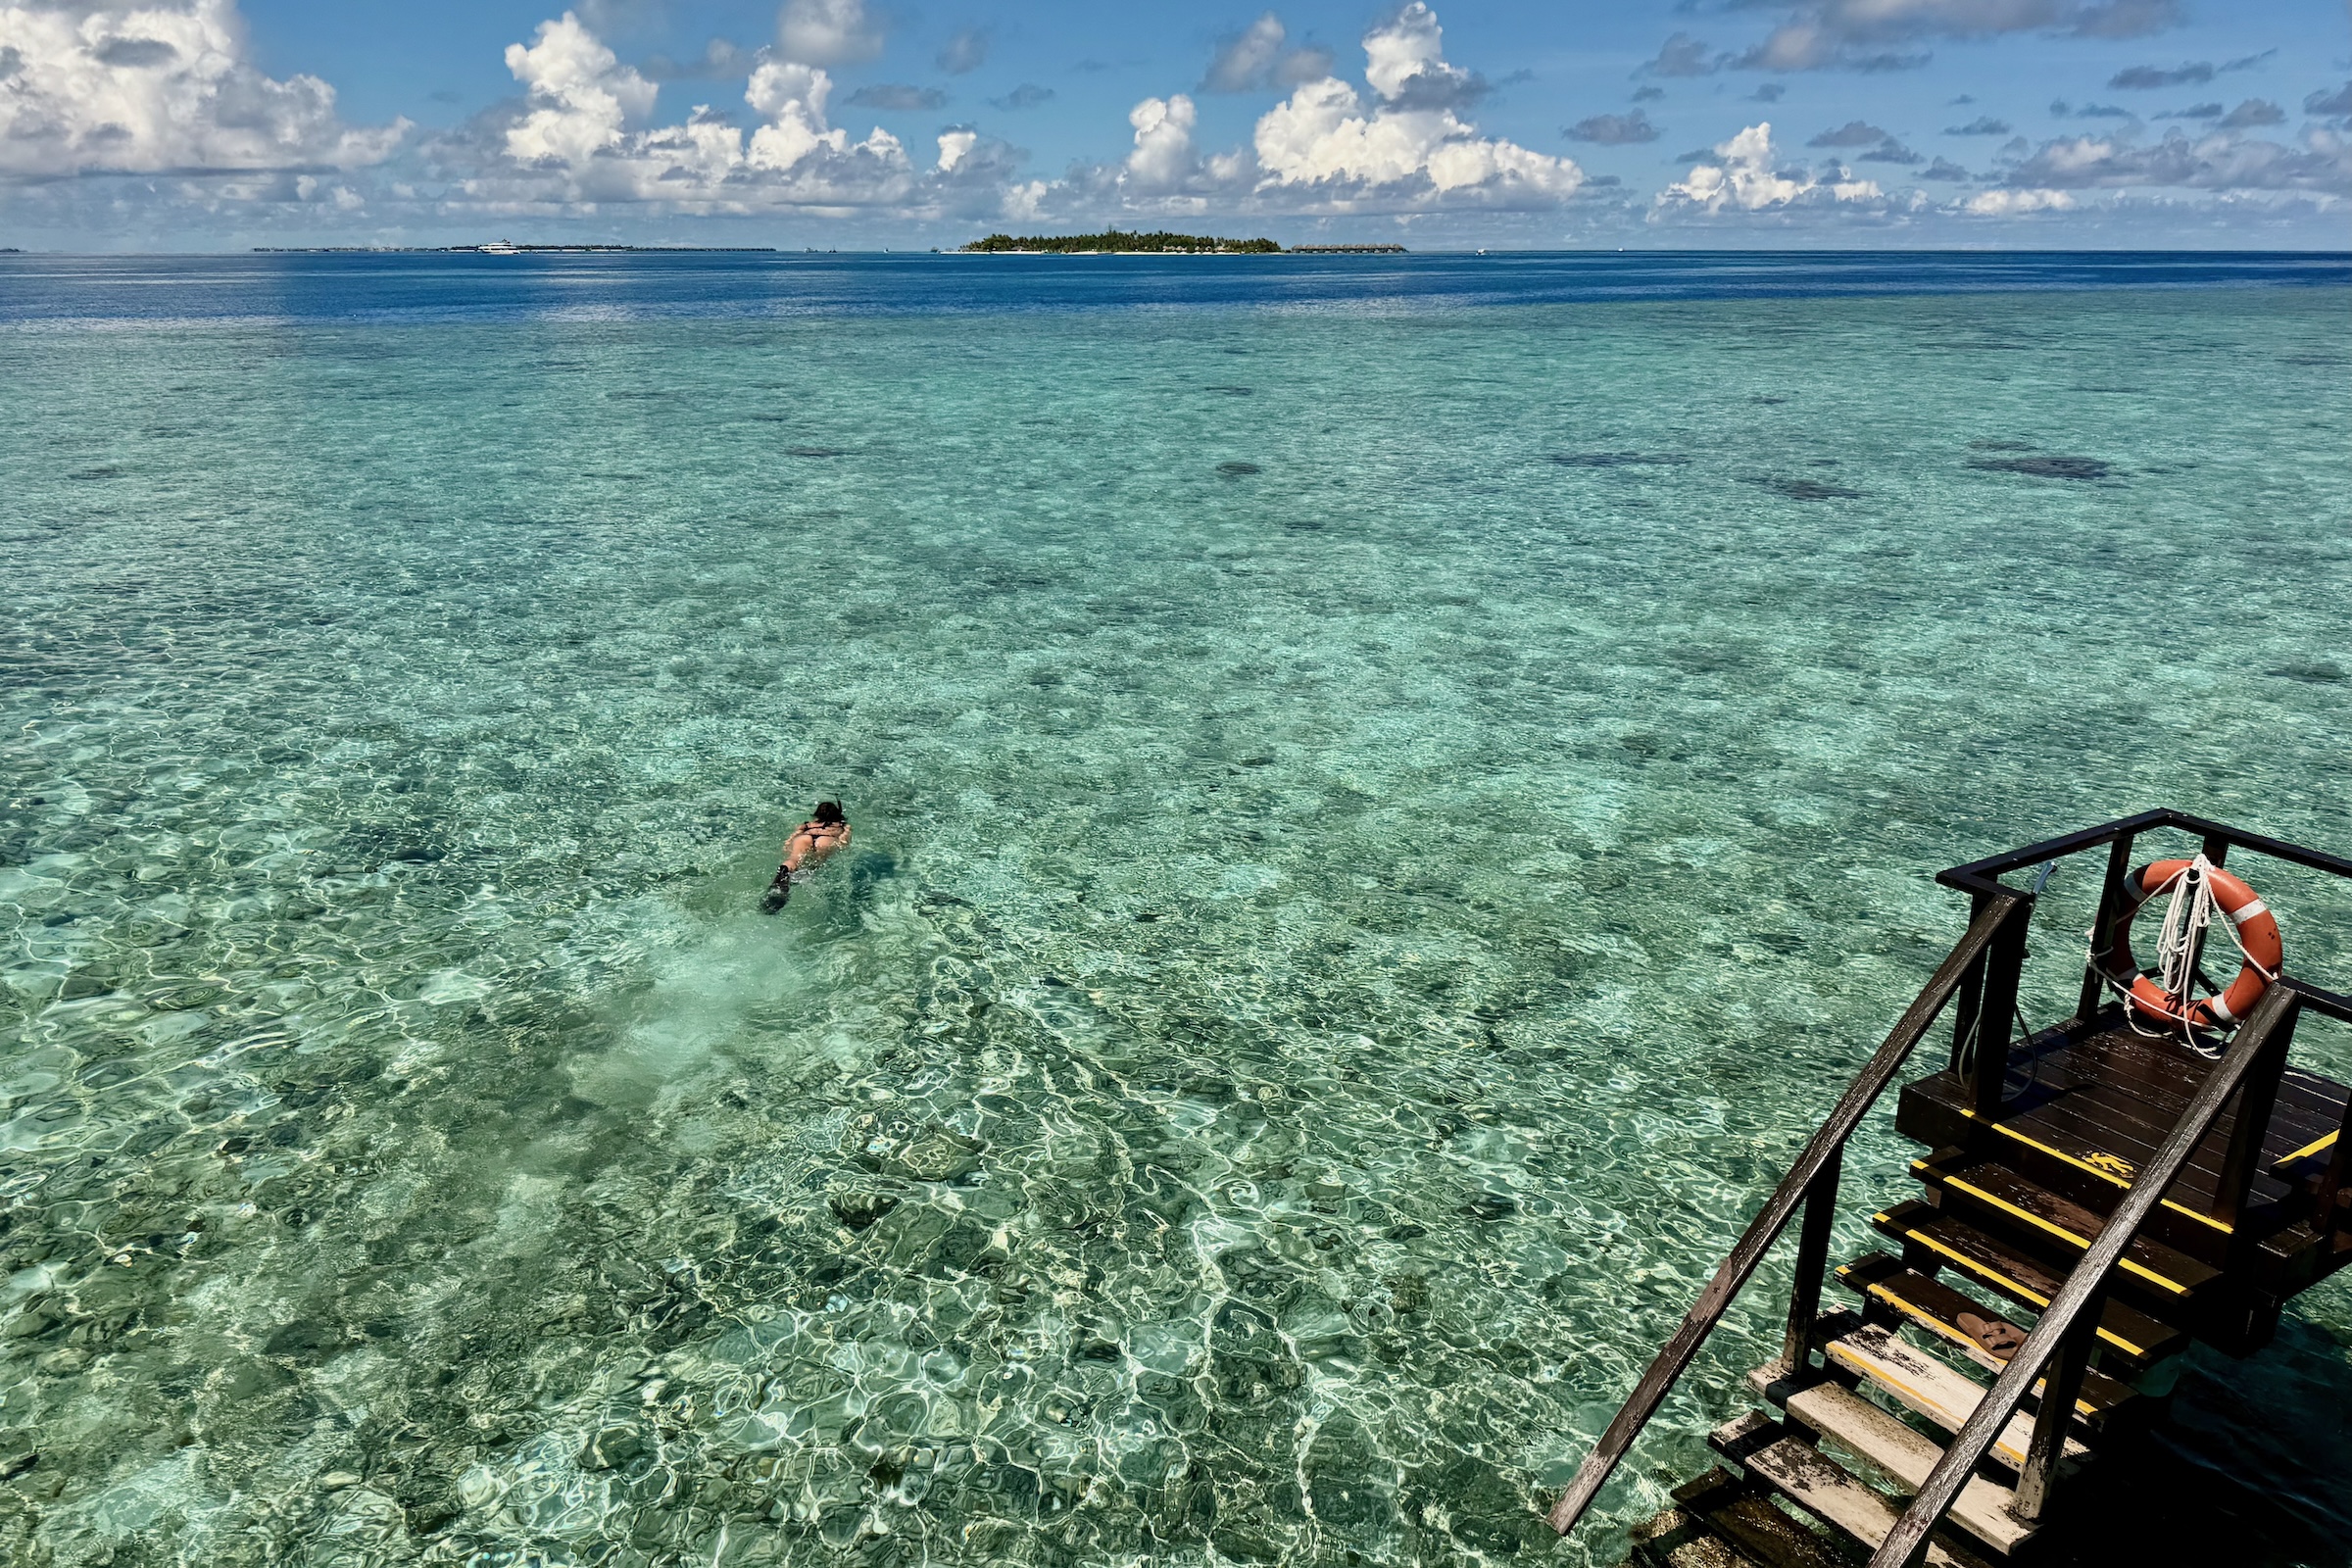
x,y
2045,468
1807,489
1616,460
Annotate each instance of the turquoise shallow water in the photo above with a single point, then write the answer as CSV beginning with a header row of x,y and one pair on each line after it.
x,y
1383,819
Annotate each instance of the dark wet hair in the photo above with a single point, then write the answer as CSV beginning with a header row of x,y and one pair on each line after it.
x,y
827,811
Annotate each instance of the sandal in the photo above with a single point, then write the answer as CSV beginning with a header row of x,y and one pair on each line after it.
x,y
1996,1336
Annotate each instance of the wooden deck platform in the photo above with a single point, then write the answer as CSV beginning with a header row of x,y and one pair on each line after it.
x,y
2101,1099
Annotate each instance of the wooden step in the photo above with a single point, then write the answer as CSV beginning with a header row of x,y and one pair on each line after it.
x,y
1994,1196
1905,1456
1936,1307
1822,1487
1721,1519
1674,1537
1937,1389
1934,1110
1704,1549
1989,1260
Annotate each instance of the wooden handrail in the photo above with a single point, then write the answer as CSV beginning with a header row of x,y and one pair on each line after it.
x,y
1979,878
2001,906
2084,1288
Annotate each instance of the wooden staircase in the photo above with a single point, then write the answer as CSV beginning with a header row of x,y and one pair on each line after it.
x,y
1881,1430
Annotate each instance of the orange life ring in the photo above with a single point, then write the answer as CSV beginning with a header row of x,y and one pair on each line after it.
x,y
2257,936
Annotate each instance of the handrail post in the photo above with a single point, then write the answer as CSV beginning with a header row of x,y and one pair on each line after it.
x,y
2324,1219
1812,1267
2110,899
1969,1001
2255,1101
2062,1385
2004,961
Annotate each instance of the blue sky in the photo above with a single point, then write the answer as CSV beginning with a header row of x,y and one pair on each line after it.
x,y
214,123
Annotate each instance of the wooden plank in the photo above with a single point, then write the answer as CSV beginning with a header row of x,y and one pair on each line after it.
x,y
2306,1102
1941,1393
2167,1075
2121,1117
2070,1321
2157,1079
1955,1243
1827,1491
2120,1088
1907,1457
2096,1129
1941,1095
2079,1127
1995,1190
1936,1307
1751,1525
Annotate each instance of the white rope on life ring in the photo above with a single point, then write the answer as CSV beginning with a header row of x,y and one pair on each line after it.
x,y
2198,890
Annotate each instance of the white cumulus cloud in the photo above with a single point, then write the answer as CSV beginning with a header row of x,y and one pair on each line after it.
x,y
1163,142
582,138
167,86
1746,176
1406,145
581,95
792,98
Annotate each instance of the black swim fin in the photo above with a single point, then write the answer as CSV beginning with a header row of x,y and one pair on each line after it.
x,y
779,894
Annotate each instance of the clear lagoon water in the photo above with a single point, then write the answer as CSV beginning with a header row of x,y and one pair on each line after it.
x,y
1391,794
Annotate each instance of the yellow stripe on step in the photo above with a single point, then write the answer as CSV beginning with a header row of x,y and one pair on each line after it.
x,y
1958,1336
1982,1271
2305,1151
2061,1232
2123,1182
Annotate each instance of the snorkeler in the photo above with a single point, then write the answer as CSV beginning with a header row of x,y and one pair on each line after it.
x,y
825,831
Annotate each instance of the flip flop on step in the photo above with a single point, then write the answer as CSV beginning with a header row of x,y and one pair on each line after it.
x,y
1999,1336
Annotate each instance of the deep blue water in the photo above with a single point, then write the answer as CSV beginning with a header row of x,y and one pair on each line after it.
x,y
395,287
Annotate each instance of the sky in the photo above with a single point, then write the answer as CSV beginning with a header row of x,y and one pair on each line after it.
x,y
221,125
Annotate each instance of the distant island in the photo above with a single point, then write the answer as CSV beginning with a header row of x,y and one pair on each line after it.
x,y
1116,241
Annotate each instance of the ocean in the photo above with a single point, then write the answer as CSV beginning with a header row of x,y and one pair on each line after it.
x,y
1390,795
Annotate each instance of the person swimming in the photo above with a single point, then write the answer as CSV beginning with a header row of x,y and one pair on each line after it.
x,y
825,831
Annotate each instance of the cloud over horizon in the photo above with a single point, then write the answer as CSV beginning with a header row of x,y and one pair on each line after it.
x,y
1746,174
1406,145
161,88
97,96
581,142
1259,58
1897,34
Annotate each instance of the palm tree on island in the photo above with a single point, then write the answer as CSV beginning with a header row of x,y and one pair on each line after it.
x,y
1116,241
